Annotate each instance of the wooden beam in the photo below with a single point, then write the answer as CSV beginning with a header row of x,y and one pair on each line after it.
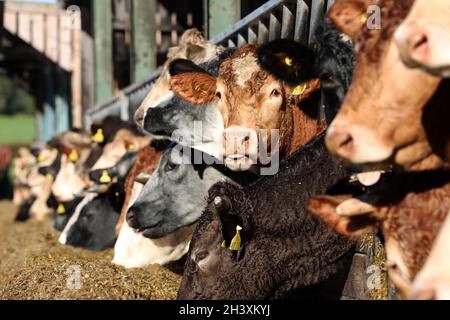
x,y
103,49
221,15
144,40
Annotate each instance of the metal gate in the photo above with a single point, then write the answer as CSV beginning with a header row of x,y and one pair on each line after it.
x,y
275,19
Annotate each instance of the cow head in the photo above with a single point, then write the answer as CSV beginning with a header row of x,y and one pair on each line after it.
x,y
192,46
168,200
424,38
408,208
383,90
95,223
253,104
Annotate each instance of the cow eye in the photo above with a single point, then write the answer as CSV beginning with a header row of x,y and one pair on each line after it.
x,y
326,77
275,93
170,166
201,256
218,95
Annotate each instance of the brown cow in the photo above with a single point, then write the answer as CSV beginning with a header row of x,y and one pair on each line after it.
x,y
424,37
391,113
409,212
250,101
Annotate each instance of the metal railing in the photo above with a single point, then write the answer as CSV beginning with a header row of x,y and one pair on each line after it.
x,y
275,19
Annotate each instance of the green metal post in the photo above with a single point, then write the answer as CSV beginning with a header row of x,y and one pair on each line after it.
x,y
221,15
103,35
144,42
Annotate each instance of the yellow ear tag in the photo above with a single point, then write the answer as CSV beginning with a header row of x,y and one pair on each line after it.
x,y
73,156
300,89
223,245
49,177
363,18
98,136
236,241
288,61
105,178
55,151
61,209
131,148
41,158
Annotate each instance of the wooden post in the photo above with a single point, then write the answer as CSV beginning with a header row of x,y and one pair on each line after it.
x,y
49,103
77,73
144,39
221,15
62,104
103,49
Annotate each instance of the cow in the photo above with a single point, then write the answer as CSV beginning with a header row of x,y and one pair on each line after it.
x,y
195,126
132,249
433,282
409,209
423,38
417,102
22,165
94,228
260,242
253,106
192,46
174,195
92,225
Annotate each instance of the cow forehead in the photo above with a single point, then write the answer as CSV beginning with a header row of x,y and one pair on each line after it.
x,y
243,68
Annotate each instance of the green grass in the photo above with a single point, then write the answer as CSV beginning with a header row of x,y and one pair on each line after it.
x,y
18,129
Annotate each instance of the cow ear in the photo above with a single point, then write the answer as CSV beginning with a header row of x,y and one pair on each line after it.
x,y
324,207
192,83
180,66
230,225
287,60
350,15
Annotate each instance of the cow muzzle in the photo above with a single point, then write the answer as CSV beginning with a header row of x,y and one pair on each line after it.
x,y
239,148
357,144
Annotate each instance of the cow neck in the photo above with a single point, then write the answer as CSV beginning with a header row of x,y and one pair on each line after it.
x,y
304,130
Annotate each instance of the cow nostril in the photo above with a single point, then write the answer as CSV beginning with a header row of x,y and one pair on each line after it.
x,y
246,138
345,141
419,42
131,219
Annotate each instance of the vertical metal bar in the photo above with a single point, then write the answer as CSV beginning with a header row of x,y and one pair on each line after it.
x,y
241,41
330,3
103,49
317,13
287,24
301,22
222,15
231,44
263,33
144,38
274,27
251,36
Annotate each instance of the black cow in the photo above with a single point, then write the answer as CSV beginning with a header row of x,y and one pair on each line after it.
x,y
285,251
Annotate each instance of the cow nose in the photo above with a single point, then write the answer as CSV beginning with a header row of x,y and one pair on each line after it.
x,y
237,140
339,140
413,43
132,218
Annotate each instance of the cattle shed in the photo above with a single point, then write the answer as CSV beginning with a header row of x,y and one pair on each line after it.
x,y
84,60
